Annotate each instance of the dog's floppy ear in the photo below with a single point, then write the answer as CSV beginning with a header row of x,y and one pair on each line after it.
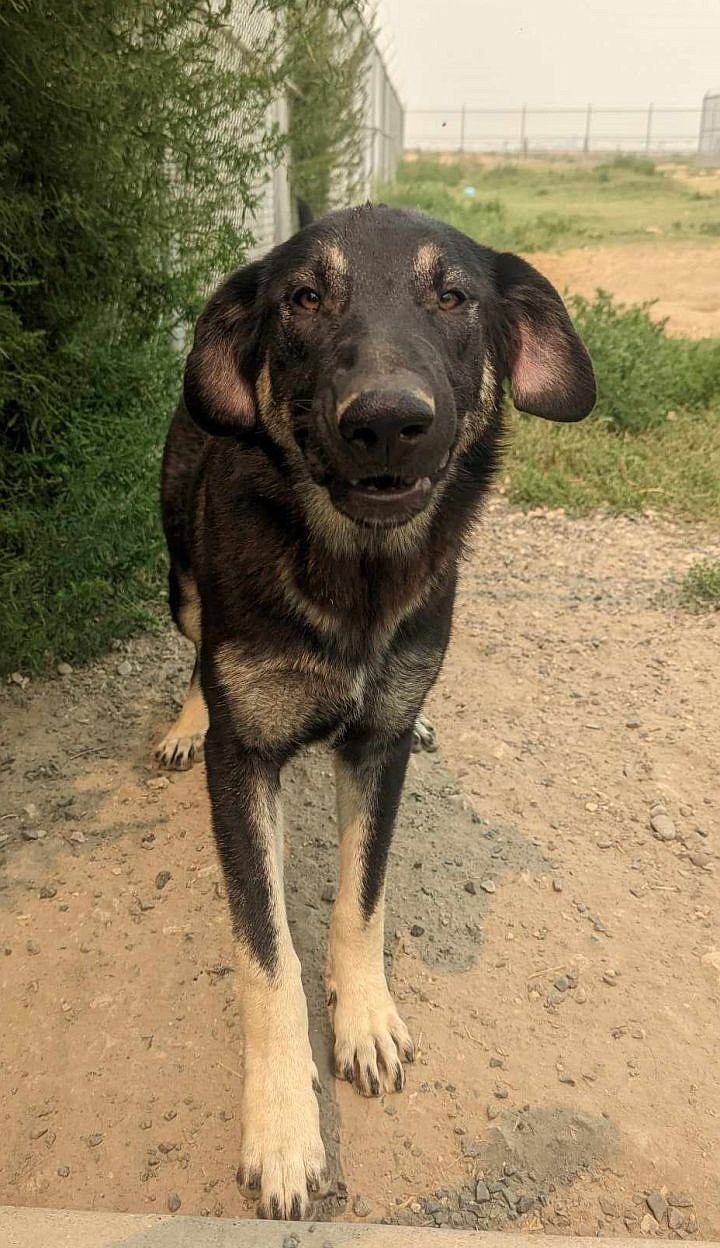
x,y
220,372
549,369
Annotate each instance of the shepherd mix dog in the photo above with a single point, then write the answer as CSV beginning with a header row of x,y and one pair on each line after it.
x,y
340,425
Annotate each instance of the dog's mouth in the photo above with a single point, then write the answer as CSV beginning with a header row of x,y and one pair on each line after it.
x,y
386,499
380,499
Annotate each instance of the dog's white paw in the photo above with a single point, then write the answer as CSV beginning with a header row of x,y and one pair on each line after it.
x,y
371,1039
282,1158
178,753
423,737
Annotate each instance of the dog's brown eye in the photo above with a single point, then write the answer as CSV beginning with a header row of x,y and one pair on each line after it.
x,y
307,299
451,299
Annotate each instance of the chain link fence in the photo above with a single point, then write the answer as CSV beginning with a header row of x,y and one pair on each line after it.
x,y
655,130
373,162
710,128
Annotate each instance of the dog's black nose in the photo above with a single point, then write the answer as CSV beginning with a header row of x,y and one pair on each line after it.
x,y
384,426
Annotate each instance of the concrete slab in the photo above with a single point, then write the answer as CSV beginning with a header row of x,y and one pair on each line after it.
x,y
69,1228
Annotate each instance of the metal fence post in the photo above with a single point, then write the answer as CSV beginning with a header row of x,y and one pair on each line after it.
x,y
648,130
588,119
462,129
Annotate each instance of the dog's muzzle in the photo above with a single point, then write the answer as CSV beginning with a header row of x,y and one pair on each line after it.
x,y
388,450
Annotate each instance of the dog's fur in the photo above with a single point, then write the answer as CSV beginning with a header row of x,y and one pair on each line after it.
x,y
371,347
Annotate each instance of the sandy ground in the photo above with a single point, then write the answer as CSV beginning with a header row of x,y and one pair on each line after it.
x,y
563,978
684,282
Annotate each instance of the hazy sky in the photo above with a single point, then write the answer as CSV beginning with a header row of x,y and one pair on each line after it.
x,y
500,53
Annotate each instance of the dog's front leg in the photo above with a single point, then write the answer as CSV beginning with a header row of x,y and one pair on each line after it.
x,y
281,1156
371,1040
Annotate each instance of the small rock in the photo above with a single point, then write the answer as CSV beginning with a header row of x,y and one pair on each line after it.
x,y
563,983
64,669
680,1200
328,893
492,1112
658,1206
557,886
125,669
174,1201
648,1224
700,858
488,886
77,837
482,1192
291,1241
610,977
94,1140
31,811
632,723
496,1063
676,1219
33,834
417,930
662,826
63,1171
361,1207
146,1125
525,1204
161,879
48,891
470,888
565,1078
156,783
501,1093
17,678
471,1148
608,1206
38,1132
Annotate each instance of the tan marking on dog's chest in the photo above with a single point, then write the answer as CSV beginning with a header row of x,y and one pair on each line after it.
x,y
277,699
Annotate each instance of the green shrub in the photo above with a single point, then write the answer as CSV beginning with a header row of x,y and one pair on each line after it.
x,y
133,145
701,585
630,162
642,373
326,63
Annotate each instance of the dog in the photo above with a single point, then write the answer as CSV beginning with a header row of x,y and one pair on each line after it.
x,y
341,421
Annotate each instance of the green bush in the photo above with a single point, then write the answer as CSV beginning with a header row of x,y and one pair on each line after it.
x,y
326,62
701,585
630,162
133,145
642,373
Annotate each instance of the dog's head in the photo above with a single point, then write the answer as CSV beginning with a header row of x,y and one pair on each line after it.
x,y
370,349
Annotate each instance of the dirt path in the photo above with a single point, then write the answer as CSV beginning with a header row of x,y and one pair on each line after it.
x,y
684,281
559,964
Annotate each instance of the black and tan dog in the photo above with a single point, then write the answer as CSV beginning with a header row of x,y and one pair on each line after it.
x,y
340,425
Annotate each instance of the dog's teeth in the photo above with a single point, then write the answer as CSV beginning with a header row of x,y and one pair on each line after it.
x,y
424,482
445,462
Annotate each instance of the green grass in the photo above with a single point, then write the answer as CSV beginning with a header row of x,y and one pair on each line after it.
x,y
543,205
673,468
701,585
